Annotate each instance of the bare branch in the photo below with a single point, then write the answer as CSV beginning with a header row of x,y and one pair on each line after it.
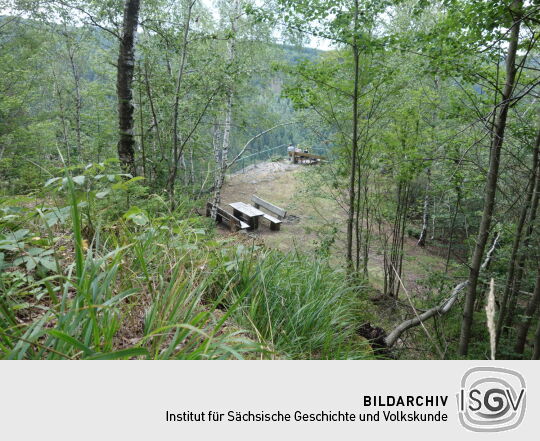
x,y
438,310
237,157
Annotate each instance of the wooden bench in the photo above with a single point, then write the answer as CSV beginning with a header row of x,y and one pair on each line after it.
x,y
275,224
233,222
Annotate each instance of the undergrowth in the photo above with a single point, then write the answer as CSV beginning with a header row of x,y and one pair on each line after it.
x,y
87,274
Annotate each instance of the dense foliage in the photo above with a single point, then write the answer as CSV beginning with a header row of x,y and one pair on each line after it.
x,y
428,114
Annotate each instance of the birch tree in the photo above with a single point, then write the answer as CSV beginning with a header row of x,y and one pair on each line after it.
x,y
222,152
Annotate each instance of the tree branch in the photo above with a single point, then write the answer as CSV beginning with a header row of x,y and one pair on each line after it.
x,y
237,157
438,310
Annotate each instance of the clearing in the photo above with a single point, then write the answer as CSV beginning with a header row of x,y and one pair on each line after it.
x,y
310,216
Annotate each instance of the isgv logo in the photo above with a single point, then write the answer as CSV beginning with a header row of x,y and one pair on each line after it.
x,y
491,399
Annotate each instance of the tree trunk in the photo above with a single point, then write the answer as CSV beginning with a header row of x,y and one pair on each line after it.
x,y
141,124
358,222
124,90
425,216
492,177
78,100
395,261
517,238
177,150
526,321
354,149
536,354
155,121
524,255
452,228
223,156
367,235
62,114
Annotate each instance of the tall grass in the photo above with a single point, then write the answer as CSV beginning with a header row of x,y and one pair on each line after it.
x,y
81,316
296,306
89,306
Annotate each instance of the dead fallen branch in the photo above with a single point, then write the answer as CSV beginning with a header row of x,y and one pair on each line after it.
x,y
441,309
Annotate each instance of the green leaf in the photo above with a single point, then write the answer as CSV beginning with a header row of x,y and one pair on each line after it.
x,y
31,264
11,246
57,215
136,215
51,181
135,179
20,306
102,194
121,354
79,180
117,298
18,235
121,185
70,340
35,251
48,263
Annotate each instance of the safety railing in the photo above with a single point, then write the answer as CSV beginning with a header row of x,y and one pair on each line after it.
x,y
277,152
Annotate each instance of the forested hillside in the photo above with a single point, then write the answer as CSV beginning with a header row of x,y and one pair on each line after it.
x,y
396,144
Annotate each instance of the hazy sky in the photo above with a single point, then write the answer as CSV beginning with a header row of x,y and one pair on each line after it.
x,y
317,43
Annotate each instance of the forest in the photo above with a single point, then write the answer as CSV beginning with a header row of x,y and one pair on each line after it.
x,y
398,140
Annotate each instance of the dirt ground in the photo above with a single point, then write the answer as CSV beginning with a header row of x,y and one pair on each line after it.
x,y
281,183
276,182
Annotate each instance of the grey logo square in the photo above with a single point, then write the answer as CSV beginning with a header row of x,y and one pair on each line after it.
x,y
491,399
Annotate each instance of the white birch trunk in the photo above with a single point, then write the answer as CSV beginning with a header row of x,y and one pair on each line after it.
x,y
222,157
425,217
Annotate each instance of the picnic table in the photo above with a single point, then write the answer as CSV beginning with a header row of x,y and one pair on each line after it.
x,y
248,213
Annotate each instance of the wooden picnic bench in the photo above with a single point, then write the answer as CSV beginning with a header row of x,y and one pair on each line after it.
x,y
247,213
232,221
275,224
